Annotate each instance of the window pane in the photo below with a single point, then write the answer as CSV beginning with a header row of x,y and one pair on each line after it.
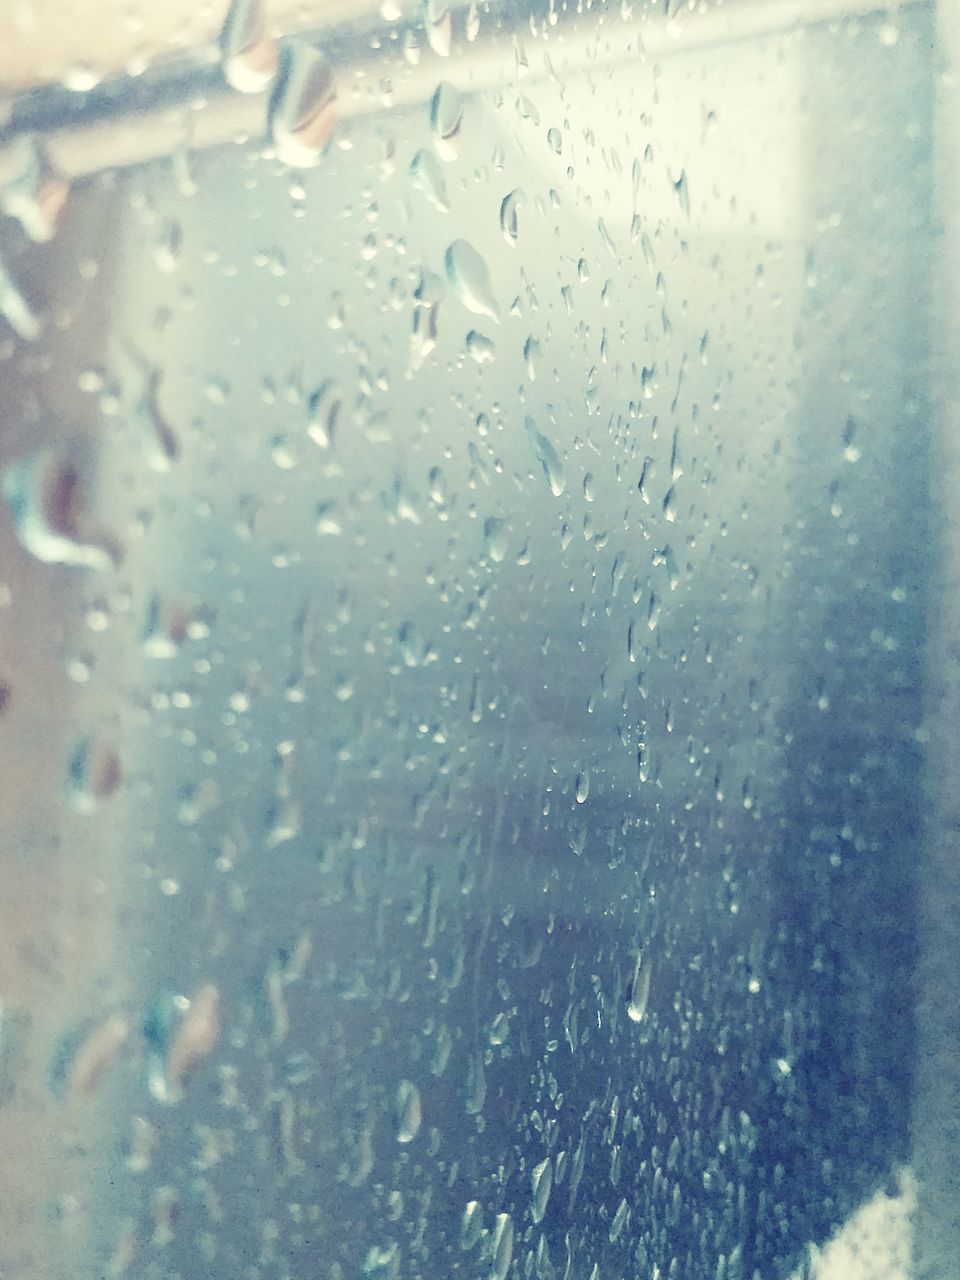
x,y
463,604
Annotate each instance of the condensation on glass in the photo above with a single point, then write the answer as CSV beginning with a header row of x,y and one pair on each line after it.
x,y
464,562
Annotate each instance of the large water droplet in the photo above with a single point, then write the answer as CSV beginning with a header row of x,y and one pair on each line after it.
x,y
468,274
303,104
547,455
249,55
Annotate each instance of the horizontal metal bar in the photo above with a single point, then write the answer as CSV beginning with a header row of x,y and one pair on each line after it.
x,y
380,64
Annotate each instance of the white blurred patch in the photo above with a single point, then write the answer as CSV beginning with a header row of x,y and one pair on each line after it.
x,y
877,1242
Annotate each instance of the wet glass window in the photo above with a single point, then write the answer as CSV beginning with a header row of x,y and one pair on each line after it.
x,y
477,645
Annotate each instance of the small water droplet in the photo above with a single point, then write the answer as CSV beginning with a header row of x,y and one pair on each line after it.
x,y
30,190
446,119
638,992
180,1035
496,538
541,1184
548,457
583,787
471,1225
427,176
501,1248
166,250
468,274
500,1027
409,1111
670,505
480,347
471,28
509,222
682,188
555,140
620,1220
94,774
16,310
83,1057
302,111
325,405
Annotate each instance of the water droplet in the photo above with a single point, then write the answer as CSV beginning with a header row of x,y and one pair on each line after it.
x,y
30,190
325,404
476,1085
620,1220
495,536
555,140
471,27
541,1184
682,188
548,458
166,250
302,110
480,347
471,1225
409,1111
81,77
83,1058
531,354
509,222
500,1027
427,176
439,25
638,992
15,309
180,1035
501,1248
249,55
670,505
45,497
95,774
470,279
446,119
383,1262
583,787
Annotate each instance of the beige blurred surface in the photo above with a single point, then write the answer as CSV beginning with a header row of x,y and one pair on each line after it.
x,y
46,41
